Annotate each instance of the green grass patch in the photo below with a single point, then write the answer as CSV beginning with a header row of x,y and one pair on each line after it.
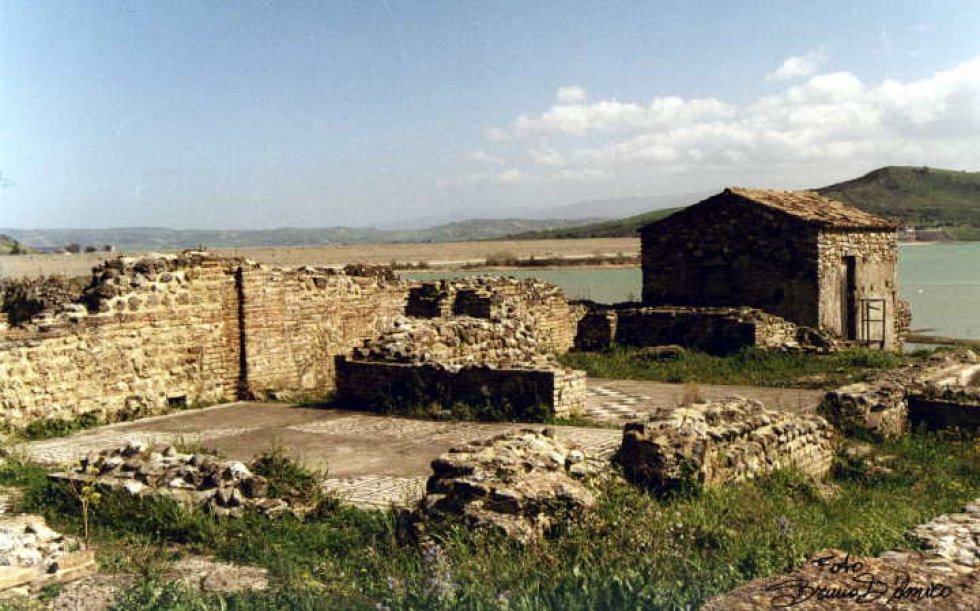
x,y
635,551
751,366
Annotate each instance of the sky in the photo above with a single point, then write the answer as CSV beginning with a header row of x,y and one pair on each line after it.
x,y
258,114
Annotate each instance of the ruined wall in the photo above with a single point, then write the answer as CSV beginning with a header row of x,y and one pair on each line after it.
x,y
542,306
713,330
297,320
159,334
726,441
384,386
735,254
165,331
876,257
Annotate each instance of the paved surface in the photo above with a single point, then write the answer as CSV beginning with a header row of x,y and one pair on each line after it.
x,y
376,460
617,401
370,460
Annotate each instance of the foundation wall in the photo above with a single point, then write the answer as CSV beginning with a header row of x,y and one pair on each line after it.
x,y
379,386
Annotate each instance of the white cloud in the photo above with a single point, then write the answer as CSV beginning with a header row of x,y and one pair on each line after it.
x,y
570,95
828,124
484,157
798,66
611,116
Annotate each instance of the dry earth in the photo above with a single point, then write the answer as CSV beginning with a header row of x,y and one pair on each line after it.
x,y
437,254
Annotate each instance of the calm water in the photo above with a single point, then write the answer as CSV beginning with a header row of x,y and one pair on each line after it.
x,y
941,281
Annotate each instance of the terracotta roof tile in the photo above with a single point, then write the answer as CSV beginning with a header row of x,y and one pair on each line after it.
x,y
815,208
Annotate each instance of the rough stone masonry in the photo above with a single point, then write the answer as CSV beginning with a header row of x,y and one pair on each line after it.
x,y
729,440
160,332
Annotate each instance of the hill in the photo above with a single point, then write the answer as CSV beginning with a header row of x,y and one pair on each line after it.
x,y
161,238
620,228
10,246
913,196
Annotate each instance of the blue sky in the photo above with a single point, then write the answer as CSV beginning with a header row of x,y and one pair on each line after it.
x,y
263,114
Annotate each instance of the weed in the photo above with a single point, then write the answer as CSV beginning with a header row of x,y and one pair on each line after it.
x,y
633,551
286,477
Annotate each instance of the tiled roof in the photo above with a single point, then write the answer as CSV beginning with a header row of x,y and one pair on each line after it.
x,y
815,208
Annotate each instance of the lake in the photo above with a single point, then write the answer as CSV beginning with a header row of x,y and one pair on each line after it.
x,y
940,281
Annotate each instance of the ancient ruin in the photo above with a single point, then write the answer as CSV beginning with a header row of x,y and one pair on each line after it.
x,y
717,330
222,487
481,342
942,392
715,443
164,332
32,555
810,260
524,483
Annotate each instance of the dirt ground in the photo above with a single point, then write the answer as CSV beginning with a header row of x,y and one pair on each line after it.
x,y
436,254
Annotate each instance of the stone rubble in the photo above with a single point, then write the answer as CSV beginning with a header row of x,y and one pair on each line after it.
x,y
954,536
881,406
524,483
22,299
225,488
729,440
27,541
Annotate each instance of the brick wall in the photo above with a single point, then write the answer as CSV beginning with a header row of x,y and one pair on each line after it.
x,y
154,333
297,320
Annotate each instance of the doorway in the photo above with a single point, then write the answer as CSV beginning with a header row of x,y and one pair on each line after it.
x,y
849,301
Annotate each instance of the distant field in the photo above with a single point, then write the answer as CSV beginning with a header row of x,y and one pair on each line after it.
x,y
436,254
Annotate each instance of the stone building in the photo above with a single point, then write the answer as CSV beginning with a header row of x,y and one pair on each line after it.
x,y
796,254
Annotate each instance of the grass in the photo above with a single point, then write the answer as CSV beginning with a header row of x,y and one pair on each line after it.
x,y
48,428
635,551
751,366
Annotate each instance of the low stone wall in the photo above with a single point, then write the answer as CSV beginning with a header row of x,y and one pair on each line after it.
x,y
942,387
936,414
715,443
458,342
223,488
381,386
717,331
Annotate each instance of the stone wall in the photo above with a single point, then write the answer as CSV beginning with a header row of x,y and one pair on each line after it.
x,y
166,331
388,386
297,320
715,443
541,305
945,388
713,330
876,271
151,336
